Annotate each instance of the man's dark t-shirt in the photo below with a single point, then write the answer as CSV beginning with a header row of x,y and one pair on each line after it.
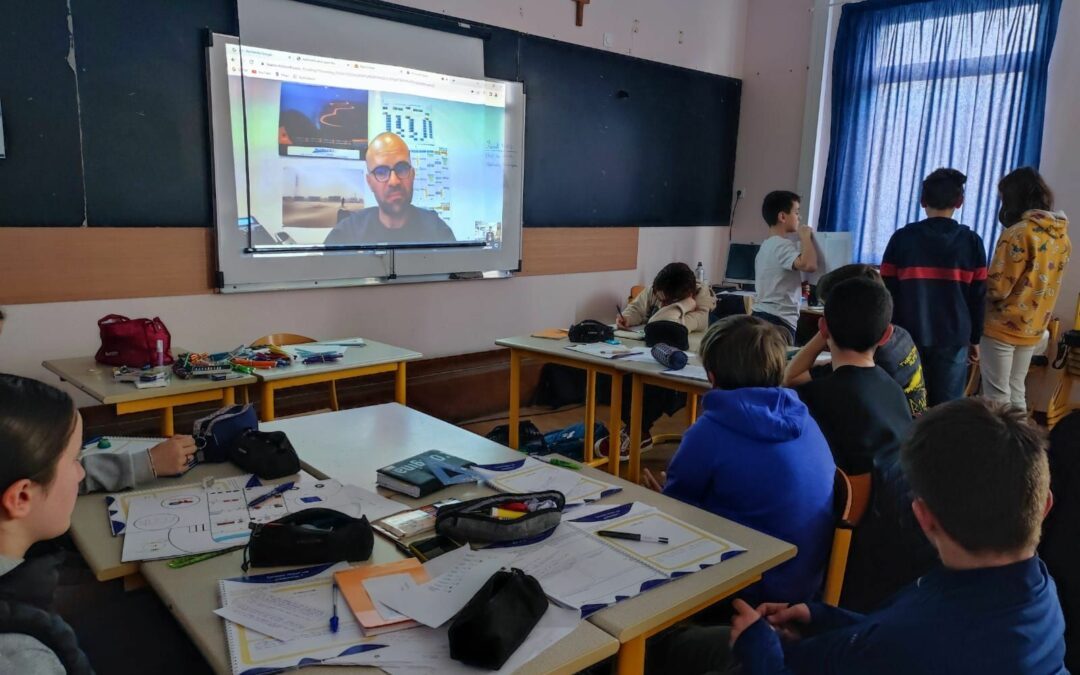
x,y
364,227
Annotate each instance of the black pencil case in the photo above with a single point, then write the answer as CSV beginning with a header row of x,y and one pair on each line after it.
x,y
309,537
472,521
490,628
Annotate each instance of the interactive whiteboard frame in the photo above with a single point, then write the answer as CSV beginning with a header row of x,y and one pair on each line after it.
x,y
238,271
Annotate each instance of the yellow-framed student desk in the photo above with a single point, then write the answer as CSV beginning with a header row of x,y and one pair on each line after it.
x,y
371,358
351,444
555,351
96,379
191,594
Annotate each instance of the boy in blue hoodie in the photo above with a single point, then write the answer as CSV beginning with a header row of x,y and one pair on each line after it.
x,y
756,456
981,481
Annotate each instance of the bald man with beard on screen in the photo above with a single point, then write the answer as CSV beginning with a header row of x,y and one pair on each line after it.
x,y
390,176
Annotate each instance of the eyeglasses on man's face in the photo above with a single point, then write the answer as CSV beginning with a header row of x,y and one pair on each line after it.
x,y
382,172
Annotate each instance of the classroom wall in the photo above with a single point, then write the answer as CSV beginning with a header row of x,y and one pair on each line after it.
x,y
437,319
775,66
1061,167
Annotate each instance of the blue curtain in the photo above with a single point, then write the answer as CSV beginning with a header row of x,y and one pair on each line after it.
x,y
922,84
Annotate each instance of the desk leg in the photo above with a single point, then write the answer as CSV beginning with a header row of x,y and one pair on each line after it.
x,y
228,396
266,403
637,389
615,423
631,657
515,396
167,428
399,384
692,406
590,413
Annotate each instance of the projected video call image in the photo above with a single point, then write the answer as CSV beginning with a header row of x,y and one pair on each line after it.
x,y
342,167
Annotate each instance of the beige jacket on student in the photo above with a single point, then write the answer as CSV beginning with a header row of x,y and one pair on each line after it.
x,y
692,312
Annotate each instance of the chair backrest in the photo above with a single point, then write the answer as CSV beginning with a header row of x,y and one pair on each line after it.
x,y
851,497
282,339
634,292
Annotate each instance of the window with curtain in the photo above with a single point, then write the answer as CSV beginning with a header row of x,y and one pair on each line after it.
x,y
922,84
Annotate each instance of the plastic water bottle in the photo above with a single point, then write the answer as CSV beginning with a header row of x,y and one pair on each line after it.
x,y
669,357
699,272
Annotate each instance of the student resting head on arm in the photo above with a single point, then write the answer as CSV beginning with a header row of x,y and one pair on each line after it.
x,y
40,438
675,295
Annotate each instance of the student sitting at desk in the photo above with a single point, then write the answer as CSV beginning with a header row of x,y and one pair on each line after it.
x,y
897,356
982,488
865,416
675,295
756,456
109,471
40,434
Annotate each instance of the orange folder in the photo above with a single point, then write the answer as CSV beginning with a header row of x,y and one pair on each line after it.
x,y
350,583
551,333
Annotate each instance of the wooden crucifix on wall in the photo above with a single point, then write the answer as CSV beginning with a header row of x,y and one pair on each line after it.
x,y
581,11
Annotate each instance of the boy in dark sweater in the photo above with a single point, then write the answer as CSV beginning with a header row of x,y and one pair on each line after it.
x,y
936,272
982,488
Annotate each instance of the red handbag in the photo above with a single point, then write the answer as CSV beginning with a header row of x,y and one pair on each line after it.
x,y
132,342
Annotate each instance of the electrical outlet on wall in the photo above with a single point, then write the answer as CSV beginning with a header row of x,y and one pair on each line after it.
x,y
609,39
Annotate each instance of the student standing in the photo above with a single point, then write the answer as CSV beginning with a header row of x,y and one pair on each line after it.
x,y
936,272
779,262
1023,283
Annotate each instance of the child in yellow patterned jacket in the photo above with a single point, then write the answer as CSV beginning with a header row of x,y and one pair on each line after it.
x,y
1022,284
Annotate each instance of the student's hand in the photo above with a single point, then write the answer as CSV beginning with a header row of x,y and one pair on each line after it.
x,y
651,482
806,232
786,619
973,354
172,457
621,322
744,617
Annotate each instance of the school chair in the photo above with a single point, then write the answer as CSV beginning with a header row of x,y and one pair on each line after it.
x,y
851,496
634,292
283,339
1069,359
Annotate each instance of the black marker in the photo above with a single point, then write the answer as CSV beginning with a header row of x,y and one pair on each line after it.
x,y
632,536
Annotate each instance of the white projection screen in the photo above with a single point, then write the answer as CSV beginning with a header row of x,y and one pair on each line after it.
x,y
352,150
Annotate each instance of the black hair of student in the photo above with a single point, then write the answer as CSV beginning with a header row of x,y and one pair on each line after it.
x,y
676,281
777,202
744,351
982,470
858,313
943,189
853,271
1023,190
36,420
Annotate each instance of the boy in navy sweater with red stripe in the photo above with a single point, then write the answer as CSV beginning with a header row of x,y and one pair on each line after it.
x,y
936,272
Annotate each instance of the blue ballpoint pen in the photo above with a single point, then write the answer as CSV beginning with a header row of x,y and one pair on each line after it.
x,y
273,493
334,618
